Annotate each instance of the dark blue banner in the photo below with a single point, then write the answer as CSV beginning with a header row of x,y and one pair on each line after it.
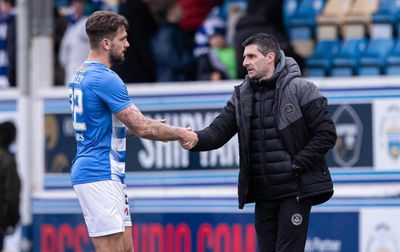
x,y
194,232
142,154
353,123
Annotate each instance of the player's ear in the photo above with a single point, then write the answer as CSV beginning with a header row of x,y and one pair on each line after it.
x,y
106,43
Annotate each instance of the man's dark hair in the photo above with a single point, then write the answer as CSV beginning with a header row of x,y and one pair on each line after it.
x,y
104,24
265,43
7,134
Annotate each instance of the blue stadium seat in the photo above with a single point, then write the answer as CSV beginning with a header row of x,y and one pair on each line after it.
x,y
289,10
374,57
385,21
320,62
393,60
303,22
386,12
347,60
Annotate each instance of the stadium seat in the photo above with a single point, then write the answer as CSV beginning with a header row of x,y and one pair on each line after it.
x,y
320,62
384,19
346,62
386,12
289,9
302,25
393,60
331,18
373,59
356,22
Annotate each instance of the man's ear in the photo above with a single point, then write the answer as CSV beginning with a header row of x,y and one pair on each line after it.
x,y
106,43
270,57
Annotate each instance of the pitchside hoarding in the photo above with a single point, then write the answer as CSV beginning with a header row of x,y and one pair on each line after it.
x,y
194,232
353,122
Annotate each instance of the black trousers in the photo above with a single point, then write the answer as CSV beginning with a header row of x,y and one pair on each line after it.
x,y
281,225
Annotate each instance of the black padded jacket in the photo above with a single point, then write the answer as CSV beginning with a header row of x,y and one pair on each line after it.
x,y
304,127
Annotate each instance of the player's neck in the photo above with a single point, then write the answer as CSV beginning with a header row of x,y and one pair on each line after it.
x,y
103,59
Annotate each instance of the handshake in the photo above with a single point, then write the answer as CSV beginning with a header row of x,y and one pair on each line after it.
x,y
188,138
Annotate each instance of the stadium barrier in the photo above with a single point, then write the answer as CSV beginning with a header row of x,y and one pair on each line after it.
x,y
184,201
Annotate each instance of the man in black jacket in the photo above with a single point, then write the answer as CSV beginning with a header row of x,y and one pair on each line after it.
x,y
10,184
285,131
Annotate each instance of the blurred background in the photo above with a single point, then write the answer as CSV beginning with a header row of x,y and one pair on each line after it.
x,y
184,59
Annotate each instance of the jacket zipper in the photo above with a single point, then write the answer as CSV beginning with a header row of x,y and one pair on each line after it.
x,y
262,128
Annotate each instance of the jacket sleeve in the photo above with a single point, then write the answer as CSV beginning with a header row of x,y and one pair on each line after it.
x,y
220,131
320,127
12,193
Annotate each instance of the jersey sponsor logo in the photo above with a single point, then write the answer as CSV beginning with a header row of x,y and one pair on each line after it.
x,y
297,219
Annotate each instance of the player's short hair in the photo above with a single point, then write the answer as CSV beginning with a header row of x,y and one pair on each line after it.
x,y
265,43
104,24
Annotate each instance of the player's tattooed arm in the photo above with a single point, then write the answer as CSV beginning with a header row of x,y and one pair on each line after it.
x,y
130,133
151,129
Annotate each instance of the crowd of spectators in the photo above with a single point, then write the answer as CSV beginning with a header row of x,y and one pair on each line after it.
x,y
7,44
170,40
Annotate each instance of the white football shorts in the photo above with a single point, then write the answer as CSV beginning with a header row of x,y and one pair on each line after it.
x,y
105,207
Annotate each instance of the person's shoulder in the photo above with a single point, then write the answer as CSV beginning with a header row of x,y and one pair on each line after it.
x,y
101,72
5,158
244,84
301,82
112,76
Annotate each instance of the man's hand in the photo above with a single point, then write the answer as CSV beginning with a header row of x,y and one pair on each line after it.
x,y
189,139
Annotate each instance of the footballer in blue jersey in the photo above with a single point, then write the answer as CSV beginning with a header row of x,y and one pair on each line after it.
x,y
103,116
96,93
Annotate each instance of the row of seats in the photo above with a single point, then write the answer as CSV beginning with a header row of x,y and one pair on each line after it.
x,y
304,18
355,57
345,37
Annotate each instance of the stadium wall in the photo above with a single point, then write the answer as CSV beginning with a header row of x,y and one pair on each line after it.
x,y
184,201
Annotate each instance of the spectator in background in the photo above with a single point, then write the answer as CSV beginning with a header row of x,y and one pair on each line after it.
x,y
219,63
7,44
262,16
75,43
75,11
139,65
173,56
10,185
60,26
212,22
195,12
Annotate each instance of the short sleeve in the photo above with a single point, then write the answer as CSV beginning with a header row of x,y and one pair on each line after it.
x,y
112,91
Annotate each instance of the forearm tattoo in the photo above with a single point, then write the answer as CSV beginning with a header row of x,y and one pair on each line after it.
x,y
146,127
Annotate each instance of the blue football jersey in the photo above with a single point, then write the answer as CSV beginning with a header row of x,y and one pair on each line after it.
x,y
95,94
